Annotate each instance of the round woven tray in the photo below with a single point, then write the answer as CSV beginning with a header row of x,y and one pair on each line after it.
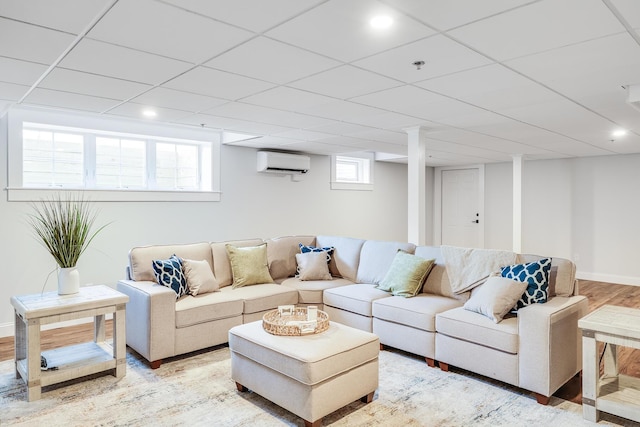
x,y
277,324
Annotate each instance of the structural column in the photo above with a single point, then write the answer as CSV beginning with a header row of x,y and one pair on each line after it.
x,y
518,166
416,188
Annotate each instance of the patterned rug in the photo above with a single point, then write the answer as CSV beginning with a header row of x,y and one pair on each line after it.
x,y
196,390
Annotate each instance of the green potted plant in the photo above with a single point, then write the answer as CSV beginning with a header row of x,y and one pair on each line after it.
x,y
63,227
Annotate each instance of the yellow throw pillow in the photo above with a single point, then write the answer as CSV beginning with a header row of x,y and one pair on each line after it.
x,y
249,265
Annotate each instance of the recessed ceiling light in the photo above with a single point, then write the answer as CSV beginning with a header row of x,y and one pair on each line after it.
x,y
619,132
381,22
149,113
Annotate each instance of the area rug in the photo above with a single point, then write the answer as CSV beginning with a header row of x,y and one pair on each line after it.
x,y
196,390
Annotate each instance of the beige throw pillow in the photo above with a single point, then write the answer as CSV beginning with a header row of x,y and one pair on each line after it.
x,y
200,278
313,266
249,265
495,297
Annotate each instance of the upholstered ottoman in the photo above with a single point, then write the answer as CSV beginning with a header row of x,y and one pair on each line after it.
x,y
311,375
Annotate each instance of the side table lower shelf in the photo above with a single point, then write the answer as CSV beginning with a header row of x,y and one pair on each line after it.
x,y
620,395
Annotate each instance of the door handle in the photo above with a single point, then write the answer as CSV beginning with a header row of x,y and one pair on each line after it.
x,y
476,221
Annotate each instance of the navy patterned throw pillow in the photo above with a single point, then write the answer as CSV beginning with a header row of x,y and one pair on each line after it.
x,y
305,249
536,275
169,273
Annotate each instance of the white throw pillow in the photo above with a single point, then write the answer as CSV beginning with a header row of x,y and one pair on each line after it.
x,y
200,278
313,266
495,298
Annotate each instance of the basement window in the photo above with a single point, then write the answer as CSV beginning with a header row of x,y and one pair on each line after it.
x,y
53,154
352,172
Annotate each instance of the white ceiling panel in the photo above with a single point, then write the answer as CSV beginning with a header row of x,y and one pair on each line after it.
x,y
170,98
172,32
242,126
12,91
486,142
91,84
340,128
341,30
630,9
440,55
381,135
109,60
345,141
316,147
303,135
342,110
271,60
447,14
254,15
540,26
218,84
20,72
71,16
243,111
134,111
72,101
31,43
392,121
288,99
345,82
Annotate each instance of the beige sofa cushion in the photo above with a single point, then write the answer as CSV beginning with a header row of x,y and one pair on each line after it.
x,y
355,298
259,298
193,310
418,312
376,257
476,328
281,254
496,297
311,291
221,265
140,257
313,266
345,258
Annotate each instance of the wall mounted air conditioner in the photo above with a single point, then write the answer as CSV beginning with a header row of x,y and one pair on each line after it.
x,y
286,163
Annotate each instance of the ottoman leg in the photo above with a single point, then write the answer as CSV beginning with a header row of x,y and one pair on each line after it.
x,y
316,423
368,398
240,387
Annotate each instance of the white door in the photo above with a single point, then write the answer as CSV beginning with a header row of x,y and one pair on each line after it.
x,y
460,208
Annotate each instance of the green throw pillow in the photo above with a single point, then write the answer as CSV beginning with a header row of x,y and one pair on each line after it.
x,y
249,265
406,274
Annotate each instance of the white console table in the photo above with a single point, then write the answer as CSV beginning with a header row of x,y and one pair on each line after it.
x,y
612,392
32,311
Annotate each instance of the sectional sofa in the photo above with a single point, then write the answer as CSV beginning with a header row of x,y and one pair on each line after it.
x,y
539,349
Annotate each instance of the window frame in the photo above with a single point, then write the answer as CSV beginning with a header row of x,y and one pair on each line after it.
x,y
105,125
357,186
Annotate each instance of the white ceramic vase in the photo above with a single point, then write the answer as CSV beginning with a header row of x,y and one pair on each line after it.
x,y
68,281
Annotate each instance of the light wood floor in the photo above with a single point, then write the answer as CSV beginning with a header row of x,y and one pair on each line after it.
x,y
598,293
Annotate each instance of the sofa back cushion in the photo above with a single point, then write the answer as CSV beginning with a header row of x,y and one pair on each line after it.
x,y
376,257
221,264
281,254
345,259
141,257
437,282
562,277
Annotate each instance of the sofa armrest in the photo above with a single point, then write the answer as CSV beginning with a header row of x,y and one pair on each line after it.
x,y
550,346
150,319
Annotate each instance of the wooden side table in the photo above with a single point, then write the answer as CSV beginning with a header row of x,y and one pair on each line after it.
x,y
613,393
32,311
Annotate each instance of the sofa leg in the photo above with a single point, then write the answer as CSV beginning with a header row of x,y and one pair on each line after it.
x,y
155,364
430,362
542,399
241,388
368,398
316,423
381,346
444,366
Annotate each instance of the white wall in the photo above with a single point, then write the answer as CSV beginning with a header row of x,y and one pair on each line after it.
x,y
253,205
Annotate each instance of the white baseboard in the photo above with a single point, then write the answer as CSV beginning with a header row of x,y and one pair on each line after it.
x,y
7,329
608,278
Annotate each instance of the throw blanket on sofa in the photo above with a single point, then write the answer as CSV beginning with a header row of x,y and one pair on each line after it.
x,y
466,267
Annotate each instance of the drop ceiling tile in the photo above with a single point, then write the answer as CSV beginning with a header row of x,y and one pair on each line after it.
x,y
219,84
68,100
393,121
31,43
303,135
538,27
12,91
345,82
170,31
114,61
20,72
440,54
341,30
266,59
176,99
339,128
235,125
134,110
263,142
342,110
345,141
288,99
630,9
250,14
446,14
458,149
316,148
56,14
484,142
243,111
381,135
91,84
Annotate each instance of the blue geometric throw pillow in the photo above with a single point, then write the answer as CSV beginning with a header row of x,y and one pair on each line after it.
x,y
305,249
536,275
169,273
